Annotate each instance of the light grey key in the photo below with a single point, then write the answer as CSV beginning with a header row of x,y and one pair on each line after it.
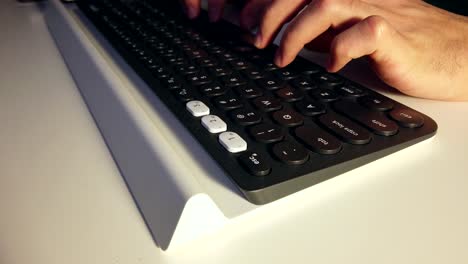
x,y
232,142
214,124
198,108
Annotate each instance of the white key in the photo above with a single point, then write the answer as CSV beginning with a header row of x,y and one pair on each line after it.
x,y
214,124
232,142
198,108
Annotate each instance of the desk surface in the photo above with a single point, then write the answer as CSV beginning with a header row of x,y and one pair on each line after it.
x,y
62,199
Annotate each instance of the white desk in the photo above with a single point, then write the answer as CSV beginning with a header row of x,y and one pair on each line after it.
x,y
62,199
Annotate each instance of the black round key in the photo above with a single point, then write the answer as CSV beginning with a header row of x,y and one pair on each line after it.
x,y
240,64
310,108
328,79
253,74
228,102
220,70
246,117
304,83
267,103
285,74
255,163
184,94
349,90
376,102
345,129
233,80
267,133
213,89
187,69
290,153
198,78
290,94
407,117
288,118
270,83
318,140
249,91
325,95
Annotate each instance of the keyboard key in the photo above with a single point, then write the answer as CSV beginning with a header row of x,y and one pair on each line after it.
x,y
249,91
349,90
213,124
161,73
305,67
310,108
375,121
228,102
246,117
376,102
328,79
187,69
289,94
233,80
240,64
232,142
325,95
206,62
255,163
285,74
304,83
267,103
184,94
199,78
226,56
290,153
318,140
288,118
220,70
345,129
270,83
407,117
253,74
267,133
198,108
213,89
172,83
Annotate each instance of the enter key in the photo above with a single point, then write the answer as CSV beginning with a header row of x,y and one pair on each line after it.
x,y
375,121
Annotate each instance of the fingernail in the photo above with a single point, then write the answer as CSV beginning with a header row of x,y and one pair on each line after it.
x,y
278,58
191,12
258,40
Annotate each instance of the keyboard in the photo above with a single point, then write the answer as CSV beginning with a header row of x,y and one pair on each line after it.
x,y
274,131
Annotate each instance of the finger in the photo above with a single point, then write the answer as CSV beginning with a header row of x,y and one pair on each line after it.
x,y
215,9
276,14
313,21
251,13
370,36
192,8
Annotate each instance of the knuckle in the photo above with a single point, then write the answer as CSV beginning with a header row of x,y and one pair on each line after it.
x,y
325,5
377,26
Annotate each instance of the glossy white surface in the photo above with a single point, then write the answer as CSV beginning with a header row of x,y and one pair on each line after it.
x,y
62,199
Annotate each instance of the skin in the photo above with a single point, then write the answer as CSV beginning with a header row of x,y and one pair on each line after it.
x,y
417,48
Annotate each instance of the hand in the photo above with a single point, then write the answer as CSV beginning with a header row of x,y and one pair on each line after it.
x,y
415,47
215,8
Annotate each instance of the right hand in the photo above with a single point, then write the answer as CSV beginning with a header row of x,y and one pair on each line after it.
x,y
215,8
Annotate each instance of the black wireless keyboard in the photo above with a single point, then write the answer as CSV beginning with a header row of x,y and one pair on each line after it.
x,y
273,130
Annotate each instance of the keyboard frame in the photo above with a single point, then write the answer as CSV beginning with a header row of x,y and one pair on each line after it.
x,y
261,190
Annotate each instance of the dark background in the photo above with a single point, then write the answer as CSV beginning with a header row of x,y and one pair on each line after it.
x,y
455,6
